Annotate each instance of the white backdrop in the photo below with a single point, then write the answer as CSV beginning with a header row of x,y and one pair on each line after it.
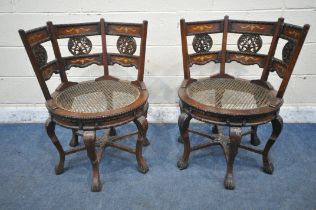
x,y
22,100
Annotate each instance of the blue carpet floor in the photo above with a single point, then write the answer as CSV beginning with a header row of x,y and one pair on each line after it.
x,y
27,179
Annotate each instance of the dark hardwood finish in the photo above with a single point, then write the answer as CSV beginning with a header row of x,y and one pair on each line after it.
x,y
103,103
223,100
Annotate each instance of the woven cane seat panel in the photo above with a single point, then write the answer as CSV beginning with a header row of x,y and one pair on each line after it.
x,y
97,96
235,94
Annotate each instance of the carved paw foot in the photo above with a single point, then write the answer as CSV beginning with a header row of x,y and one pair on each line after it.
x,y
268,167
255,141
143,168
59,169
112,132
182,165
180,140
229,182
146,142
96,185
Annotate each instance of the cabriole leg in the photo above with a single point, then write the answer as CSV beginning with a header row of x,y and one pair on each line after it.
x,y
235,138
277,125
142,126
89,140
183,123
50,129
254,140
74,139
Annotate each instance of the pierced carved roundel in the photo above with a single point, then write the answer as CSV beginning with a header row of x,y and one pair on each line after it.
x,y
40,54
249,43
79,45
287,51
126,45
202,43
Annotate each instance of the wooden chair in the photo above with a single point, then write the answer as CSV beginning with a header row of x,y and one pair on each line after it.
x,y
103,103
223,100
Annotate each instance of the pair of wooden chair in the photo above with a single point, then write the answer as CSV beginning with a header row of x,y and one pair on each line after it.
x,y
107,101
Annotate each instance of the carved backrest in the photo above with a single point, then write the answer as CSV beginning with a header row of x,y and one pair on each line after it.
x,y
249,43
80,45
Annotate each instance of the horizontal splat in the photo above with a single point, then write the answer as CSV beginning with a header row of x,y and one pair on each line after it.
x,y
203,58
246,58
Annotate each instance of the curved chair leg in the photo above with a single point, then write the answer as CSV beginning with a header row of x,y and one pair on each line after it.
x,y
254,140
146,141
50,129
183,123
89,140
112,131
277,125
235,138
74,139
215,129
142,126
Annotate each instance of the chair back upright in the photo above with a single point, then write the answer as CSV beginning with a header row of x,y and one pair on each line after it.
x,y
79,45
249,44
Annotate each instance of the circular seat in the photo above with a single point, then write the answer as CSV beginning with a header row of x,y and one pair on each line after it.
x,y
98,102
97,96
233,98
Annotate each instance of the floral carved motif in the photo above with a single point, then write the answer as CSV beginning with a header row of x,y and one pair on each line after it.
x,y
40,54
202,43
79,45
287,51
249,43
126,45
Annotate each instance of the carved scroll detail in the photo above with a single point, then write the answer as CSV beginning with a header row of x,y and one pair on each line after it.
x,y
125,29
252,27
246,58
279,67
47,72
81,61
202,27
35,37
124,61
77,30
201,59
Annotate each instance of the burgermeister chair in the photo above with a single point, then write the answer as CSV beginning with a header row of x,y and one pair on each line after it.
x,y
223,100
102,103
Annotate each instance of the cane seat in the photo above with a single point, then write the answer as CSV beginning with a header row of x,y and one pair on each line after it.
x,y
225,94
97,96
